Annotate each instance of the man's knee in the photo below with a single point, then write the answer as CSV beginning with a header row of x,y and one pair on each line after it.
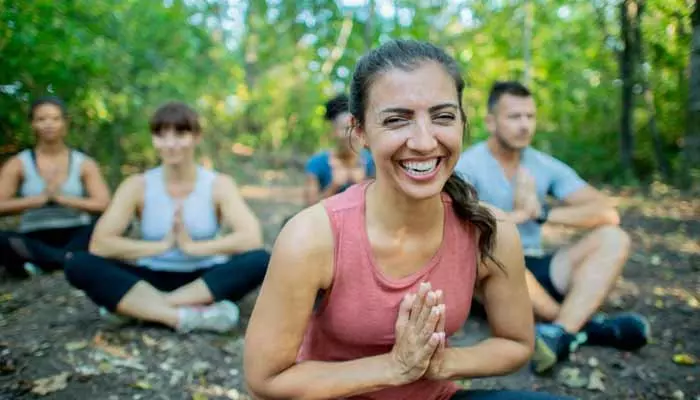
x,y
614,238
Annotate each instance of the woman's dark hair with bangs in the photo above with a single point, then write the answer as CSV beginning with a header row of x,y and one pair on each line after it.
x,y
408,55
176,115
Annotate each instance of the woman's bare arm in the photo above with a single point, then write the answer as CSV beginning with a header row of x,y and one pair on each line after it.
x,y
298,270
107,240
505,297
10,179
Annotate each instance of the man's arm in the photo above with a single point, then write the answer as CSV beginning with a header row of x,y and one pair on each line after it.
x,y
585,208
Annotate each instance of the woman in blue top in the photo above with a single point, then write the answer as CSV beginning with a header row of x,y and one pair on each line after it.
x,y
182,272
331,171
56,190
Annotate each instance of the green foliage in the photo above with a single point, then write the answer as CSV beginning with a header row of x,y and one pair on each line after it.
x,y
259,71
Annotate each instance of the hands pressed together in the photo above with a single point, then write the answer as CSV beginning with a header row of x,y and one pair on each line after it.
x,y
52,188
178,237
419,350
526,204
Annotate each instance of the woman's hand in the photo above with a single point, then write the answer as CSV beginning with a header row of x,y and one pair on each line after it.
x,y
435,370
416,336
182,238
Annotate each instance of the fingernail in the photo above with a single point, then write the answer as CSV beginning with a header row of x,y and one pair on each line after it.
x,y
435,310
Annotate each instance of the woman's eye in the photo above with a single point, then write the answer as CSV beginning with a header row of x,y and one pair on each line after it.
x,y
393,121
445,117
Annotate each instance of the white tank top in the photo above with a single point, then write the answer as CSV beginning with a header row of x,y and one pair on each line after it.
x,y
199,218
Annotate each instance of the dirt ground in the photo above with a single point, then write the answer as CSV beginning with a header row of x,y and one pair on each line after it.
x,y
53,344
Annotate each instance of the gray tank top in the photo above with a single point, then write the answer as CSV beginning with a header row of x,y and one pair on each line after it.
x,y
51,216
199,217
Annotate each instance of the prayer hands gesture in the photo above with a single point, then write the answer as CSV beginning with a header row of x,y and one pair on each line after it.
x,y
525,198
178,236
420,336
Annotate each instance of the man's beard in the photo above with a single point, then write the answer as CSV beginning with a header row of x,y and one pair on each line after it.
x,y
507,146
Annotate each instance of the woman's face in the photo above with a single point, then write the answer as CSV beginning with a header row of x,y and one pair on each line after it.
x,y
49,123
414,129
175,147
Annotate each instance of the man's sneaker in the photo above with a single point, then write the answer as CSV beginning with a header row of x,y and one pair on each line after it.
x,y
552,344
625,331
219,317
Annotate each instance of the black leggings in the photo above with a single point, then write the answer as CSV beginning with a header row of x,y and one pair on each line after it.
x,y
505,395
46,248
106,281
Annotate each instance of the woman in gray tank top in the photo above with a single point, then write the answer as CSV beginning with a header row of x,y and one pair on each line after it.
x,y
54,189
182,272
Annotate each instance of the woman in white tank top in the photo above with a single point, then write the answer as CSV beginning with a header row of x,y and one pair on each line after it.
x,y
182,271
54,189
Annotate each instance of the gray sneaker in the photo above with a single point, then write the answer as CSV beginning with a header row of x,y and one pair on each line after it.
x,y
219,317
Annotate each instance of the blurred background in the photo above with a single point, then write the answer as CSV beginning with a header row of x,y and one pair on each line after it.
x,y
612,78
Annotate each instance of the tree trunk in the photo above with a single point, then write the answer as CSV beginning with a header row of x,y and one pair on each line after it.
x,y
657,142
629,16
691,143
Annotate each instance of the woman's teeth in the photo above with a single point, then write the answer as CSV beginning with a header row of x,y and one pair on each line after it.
x,y
420,167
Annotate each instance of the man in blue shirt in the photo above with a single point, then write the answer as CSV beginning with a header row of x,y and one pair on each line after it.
x,y
568,286
332,171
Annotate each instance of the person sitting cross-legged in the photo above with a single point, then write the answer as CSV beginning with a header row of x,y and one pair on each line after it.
x,y
182,272
567,287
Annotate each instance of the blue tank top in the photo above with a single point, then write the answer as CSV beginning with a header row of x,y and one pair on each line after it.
x,y
51,216
199,218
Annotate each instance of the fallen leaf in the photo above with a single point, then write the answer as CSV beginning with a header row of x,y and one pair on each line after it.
x,y
99,342
148,341
684,359
595,381
571,377
143,385
44,386
79,345
5,297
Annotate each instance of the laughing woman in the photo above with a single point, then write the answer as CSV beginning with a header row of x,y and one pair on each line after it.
x,y
182,272
396,260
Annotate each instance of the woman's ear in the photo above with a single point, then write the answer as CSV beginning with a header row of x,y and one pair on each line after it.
x,y
356,131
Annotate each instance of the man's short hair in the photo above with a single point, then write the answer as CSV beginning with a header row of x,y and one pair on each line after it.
x,y
501,88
